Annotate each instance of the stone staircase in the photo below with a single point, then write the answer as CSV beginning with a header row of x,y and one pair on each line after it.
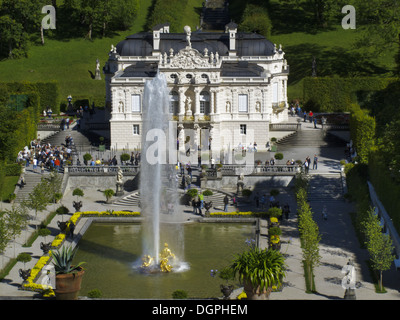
x,y
312,137
31,180
133,200
215,15
325,188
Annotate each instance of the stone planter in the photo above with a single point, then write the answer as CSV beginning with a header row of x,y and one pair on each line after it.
x,y
253,293
68,285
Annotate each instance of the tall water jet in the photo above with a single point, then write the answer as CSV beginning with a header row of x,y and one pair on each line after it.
x,y
157,191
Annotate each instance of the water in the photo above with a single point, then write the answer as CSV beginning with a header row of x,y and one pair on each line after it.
x,y
158,193
112,253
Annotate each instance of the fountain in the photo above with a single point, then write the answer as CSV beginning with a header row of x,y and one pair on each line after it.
x,y
157,190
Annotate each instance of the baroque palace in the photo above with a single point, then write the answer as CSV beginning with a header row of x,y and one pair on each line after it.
x,y
225,86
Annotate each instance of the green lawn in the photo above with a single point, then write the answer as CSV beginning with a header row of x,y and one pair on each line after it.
x,y
70,62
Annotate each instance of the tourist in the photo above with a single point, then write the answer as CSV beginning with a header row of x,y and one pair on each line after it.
x,y
34,164
194,205
315,123
257,200
226,202
262,201
255,146
286,211
306,166
201,198
305,116
315,163
310,116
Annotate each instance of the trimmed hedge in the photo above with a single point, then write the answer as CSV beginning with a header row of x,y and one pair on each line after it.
x,y
334,94
48,92
362,132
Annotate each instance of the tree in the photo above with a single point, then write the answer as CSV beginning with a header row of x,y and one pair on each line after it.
x,y
38,199
380,20
4,233
379,245
17,220
390,148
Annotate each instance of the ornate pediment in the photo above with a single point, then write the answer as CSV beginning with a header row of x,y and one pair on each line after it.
x,y
189,58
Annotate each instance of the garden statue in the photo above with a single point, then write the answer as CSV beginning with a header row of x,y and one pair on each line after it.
x,y
119,191
240,184
149,263
188,34
349,281
97,72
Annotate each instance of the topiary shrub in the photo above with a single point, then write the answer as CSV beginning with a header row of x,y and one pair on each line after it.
x,y
95,293
125,157
207,193
179,294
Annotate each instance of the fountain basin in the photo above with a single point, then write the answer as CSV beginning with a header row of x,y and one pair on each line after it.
x,y
113,255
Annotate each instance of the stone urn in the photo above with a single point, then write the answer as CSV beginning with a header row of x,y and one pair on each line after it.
x,y
226,290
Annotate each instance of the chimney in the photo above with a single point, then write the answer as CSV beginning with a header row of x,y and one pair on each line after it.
x,y
231,28
157,30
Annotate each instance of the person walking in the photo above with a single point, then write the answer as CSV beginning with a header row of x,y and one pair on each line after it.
x,y
315,163
226,202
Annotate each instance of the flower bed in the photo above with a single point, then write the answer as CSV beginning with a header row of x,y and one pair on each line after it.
x,y
231,214
58,241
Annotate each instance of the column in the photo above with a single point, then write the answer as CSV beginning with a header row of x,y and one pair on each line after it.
x,y
196,101
212,93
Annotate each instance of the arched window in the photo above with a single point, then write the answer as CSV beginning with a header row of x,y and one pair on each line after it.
x,y
204,103
174,102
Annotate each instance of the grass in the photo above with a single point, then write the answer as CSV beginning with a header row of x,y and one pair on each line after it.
x,y
71,62
8,187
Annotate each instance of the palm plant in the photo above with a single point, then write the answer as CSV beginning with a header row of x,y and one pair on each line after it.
x,y
62,260
259,268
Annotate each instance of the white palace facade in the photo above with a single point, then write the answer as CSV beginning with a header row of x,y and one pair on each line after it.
x,y
231,85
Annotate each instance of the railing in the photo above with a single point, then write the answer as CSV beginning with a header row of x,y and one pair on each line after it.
x,y
258,169
284,126
335,127
49,126
128,170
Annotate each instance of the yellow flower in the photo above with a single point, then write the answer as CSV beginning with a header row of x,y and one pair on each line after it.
x,y
243,295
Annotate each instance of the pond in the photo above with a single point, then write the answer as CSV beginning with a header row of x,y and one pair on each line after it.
x,y
113,252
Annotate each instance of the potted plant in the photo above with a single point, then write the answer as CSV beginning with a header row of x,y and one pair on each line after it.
x,y
86,158
259,270
125,157
68,276
108,193
274,237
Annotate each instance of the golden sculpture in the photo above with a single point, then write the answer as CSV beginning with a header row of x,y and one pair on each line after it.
x,y
165,254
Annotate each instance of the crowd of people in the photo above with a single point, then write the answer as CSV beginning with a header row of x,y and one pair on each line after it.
x,y
45,156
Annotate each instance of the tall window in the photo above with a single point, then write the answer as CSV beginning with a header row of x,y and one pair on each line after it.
x,y
243,129
173,102
136,130
136,105
204,102
243,103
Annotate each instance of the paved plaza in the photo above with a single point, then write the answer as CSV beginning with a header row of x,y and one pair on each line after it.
x,y
338,244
